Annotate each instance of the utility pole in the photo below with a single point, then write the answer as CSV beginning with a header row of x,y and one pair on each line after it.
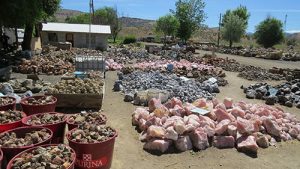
x,y
220,20
285,21
93,12
90,25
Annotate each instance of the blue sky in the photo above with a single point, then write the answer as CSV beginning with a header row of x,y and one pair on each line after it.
x,y
153,9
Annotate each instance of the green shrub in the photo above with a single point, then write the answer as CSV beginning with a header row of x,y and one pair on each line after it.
x,y
129,39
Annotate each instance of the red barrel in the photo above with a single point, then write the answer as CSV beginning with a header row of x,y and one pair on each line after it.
x,y
12,125
35,109
58,129
20,132
9,165
11,106
71,126
93,155
1,158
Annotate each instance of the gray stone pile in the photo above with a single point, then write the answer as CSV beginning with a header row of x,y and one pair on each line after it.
x,y
186,89
287,94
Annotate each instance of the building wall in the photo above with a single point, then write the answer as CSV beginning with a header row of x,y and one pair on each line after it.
x,y
80,40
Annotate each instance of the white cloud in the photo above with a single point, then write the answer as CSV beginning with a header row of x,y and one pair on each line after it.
x,y
293,31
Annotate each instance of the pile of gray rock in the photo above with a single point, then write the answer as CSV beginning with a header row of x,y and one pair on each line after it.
x,y
287,94
163,85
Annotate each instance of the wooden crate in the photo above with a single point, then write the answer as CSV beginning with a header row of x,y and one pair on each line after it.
x,y
86,101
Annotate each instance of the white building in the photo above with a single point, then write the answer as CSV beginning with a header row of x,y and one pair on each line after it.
x,y
77,34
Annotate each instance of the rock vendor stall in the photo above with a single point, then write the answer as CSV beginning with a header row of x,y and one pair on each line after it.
x,y
203,124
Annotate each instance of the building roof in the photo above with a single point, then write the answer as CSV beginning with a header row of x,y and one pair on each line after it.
x,y
80,28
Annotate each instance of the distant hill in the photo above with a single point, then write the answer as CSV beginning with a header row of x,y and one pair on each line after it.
x,y
62,14
130,26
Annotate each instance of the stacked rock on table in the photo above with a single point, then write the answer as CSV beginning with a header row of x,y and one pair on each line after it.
x,y
223,125
186,89
77,86
287,93
23,85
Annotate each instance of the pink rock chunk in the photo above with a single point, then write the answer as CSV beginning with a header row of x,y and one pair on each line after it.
x,y
139,113
199,139
200,103
247,144
209,131
156,131
177,111
183,143
221,127
222,114
215,102
298,137
285,136
154,104
171,121
161,111
171,134
261,140
143,136
245,126
142,125
238,112
272,127
232,130
220,106
180,127
241,104
158,145
173,102
204,120
223,141
228,102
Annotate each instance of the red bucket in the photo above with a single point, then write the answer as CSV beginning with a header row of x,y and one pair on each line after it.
x,y
93,155
12,125
9,165
58,129
35,109
11,106
20,132
71,126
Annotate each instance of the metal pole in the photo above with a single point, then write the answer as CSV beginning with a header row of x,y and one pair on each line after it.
x,y
219,29
90,25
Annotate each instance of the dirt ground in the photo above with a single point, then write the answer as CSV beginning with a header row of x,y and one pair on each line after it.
x,y
129,153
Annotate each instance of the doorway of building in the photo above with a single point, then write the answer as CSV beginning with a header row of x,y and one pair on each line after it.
x,y
70,38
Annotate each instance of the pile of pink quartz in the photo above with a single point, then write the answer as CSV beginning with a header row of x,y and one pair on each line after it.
x,y
162,65
110,64
225,125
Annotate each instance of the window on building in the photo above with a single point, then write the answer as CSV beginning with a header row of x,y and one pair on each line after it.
x,y
52,37
93,37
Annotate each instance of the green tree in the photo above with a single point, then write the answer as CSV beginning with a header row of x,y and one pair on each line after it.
x,y
167,25
80,19
109,16
190,14
26,13
233,29
269,32
241,12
